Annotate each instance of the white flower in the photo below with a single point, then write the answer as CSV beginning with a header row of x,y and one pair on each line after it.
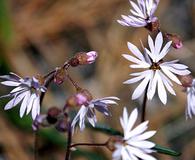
x,y
87,111
142,13
134,145
158,72
27,91
190,110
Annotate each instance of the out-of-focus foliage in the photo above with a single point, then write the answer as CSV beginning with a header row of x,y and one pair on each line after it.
x,y
37,36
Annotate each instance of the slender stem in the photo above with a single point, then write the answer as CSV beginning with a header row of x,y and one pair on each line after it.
x,y
73,82
36,141
67,157
143,111
89,144
36,151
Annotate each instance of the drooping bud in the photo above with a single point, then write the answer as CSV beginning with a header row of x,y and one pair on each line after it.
x,y
186,80
80,98
154,25
59,76
83,58
112,142
39,120
52,115
176,40
62,125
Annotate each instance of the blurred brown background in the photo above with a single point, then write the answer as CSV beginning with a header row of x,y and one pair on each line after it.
x,y
38,35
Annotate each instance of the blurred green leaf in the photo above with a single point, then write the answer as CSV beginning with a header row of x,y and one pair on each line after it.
x,y
5,22
105,129
23,123
164,150
53,137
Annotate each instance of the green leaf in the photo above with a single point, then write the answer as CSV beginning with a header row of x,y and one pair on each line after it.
x,y
167,151
105,129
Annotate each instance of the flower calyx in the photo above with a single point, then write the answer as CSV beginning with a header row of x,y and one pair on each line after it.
x,y
176,40
80,98
59,75
186,80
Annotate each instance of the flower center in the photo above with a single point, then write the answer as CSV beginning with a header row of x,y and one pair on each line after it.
x,y
155,66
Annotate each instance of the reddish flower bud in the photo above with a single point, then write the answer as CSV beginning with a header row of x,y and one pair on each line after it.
x,y
83,58
52,115
80,98
186,80
59,76
176,40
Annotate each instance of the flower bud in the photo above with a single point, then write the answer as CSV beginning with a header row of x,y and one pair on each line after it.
x,y
38,122
112,141
83,58
154,25
186,80
59,76
62,125
176,40
80,98
52,115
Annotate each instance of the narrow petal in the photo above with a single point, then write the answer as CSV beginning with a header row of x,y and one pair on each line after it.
x,y
15,101
170,75
158,44
161,91
135,51
142,144
10,83
141,154
137,130
24,103
130,123
178,66
35,107
144,136
164,51
30,104
152,55
134,80
132,59
151,44
142,86
137,9
167,83
152,86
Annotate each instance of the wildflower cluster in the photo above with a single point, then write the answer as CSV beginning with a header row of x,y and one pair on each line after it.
x,y
158,76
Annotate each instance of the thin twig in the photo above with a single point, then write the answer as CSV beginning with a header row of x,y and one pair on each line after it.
x,y
73,82
36,141
67,157
89,144
143,111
